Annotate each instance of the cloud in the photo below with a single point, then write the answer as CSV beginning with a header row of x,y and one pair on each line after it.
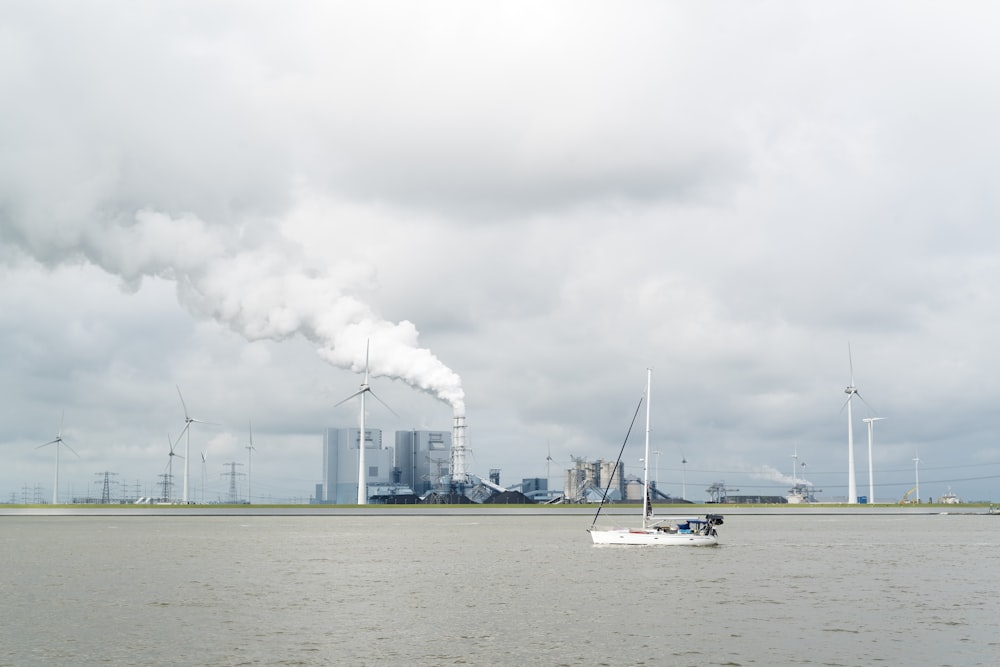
x,y
545,199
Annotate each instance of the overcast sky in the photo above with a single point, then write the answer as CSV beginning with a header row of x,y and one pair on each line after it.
x,y
522,206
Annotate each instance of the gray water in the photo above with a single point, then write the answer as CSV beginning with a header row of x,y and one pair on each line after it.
x,y
496,590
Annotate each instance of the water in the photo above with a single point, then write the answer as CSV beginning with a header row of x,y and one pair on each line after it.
x,y
496,590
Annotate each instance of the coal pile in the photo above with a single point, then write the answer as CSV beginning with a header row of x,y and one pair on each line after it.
x,y
509,498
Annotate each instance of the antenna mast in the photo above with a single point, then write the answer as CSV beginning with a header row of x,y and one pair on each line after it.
x,y
647,503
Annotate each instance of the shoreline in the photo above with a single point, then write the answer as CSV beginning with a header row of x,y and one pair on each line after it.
x,y
817,509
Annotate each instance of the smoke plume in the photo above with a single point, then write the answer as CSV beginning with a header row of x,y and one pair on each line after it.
x,y
265,289
774,475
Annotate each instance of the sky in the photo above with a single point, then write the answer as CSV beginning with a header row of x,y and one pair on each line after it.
x,y
521,207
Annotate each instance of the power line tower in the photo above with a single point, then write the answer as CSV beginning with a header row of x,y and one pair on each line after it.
x,y
232,474
106,490
167,484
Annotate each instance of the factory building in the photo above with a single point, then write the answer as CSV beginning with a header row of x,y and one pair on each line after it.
x,y
340,464
423,458
587,481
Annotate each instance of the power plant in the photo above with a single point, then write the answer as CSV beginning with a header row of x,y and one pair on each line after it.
x,y
422,466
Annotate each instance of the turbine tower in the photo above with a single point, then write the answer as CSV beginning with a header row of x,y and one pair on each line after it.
x,y
871,475
684,477
168,482
851,390
204,463
58,442
365,389
188,420
250,450
916,474
795,466
548,468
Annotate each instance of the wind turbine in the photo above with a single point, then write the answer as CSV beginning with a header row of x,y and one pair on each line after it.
x,y
871,475
250,450
58,442
188,420
684,475
795,466
851,391
204,462
170,468
548,468
362,438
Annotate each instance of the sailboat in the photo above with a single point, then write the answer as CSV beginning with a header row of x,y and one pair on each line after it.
x,y
678,531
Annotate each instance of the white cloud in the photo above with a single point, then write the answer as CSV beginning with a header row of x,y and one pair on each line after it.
x,y
547,199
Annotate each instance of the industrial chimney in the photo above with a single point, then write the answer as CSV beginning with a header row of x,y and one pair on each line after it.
x,y
459,473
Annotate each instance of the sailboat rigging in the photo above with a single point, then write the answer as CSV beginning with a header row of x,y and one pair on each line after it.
x,y
681,531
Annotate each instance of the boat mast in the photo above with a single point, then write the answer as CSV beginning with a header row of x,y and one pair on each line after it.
x,y
647,508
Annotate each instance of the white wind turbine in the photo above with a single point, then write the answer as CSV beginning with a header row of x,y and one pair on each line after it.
x,y
204,473
169,486
250,450
851,391
548,468
188,420
58,442
362,438
871,475
684,483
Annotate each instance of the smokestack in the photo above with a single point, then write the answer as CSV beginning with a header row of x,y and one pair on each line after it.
x,y
459,474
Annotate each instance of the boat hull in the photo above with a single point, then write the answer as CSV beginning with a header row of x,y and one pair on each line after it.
x,y
652,537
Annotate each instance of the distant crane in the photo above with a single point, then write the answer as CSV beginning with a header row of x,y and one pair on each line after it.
x,y
719,493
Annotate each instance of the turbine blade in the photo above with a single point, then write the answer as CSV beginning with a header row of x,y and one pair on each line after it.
x,y
858,393
850,360
368,343
183,404
70,448
355,394
382,402
50,442
180,437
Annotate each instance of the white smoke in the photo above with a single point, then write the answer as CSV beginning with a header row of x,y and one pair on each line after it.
x,y
262,290
774,475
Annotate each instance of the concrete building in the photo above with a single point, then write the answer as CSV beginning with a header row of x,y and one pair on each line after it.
x,y
589,479
422,457
340,464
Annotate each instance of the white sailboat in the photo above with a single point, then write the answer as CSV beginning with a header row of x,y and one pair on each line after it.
x,y
678,531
